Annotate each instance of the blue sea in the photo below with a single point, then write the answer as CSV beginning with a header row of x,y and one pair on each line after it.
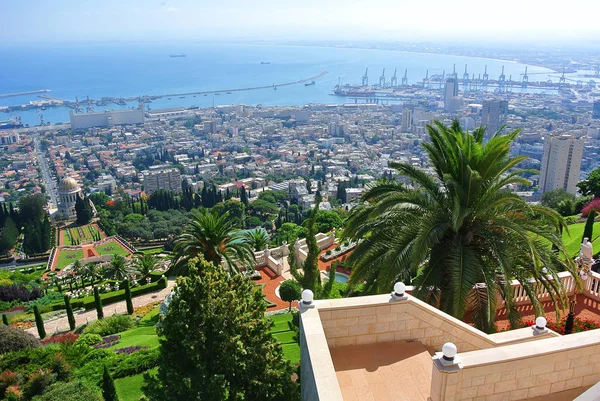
x,y
126,70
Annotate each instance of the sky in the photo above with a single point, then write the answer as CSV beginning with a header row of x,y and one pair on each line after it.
x,y
391,20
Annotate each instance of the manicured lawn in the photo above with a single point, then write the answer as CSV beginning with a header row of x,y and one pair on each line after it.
x,y
130,388
144,334
572,240
74,234
112,248
153,251
65,258
282,333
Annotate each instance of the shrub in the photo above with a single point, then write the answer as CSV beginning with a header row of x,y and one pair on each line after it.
x,y
19,292
96,354
89,339
8,379
98,303
46,300
71,391
39,322
111,325
69,309
135,363
60,366
14,339
594,204
63,338
38,383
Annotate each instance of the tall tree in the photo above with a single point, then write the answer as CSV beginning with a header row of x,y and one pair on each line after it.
x,y
128,300
459,229
8,235
258,238
109,391
98,303
39,322
117,269
310,278
221,348
591,185
216,238
83,209
69,309
588,231
145,264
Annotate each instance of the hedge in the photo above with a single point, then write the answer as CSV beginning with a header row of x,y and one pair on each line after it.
x,y
112,297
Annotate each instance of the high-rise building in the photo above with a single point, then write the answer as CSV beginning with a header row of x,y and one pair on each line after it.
x,y
596,110
493,115
561,162
407,116
159,177
450,95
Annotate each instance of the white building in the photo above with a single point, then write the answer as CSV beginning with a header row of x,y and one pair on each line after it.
x,y
561,162
68,191
159,177
450,95
106,118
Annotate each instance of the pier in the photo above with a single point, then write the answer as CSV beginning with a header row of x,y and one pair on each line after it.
x,y
2,95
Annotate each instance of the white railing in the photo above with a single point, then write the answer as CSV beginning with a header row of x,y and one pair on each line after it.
x,y
591,288
520,296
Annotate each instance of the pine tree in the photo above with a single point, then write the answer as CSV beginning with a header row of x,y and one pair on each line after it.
x,y
5,320
128,300
70,316
39,322
8,235
98,302
243,196
109,392
83,210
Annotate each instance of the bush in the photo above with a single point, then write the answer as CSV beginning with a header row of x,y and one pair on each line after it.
x,y
45,301
100,353
38,383
594,204
71,391
19,292
64,338
111,325
14,339
89,339
135,363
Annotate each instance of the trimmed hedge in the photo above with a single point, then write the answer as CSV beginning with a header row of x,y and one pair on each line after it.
x,y
112,297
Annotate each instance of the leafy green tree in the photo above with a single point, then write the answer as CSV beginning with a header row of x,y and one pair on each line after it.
x,y
8,235
454,231
31,209
109,391
552,199
98,303
588,231
117,269
236,210
290,291
128,300
83,209
310,278
566,207
99,199
327,220
215,343
591,185
69,309
258,238
39,322
216,238
262,208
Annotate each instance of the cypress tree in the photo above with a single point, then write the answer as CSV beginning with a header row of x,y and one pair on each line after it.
x,y
39,322
588,231
5,320
128,300
109,392
69,309
98,302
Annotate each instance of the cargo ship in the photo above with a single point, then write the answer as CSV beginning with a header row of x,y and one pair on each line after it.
x,y
8,124
177,55
309,83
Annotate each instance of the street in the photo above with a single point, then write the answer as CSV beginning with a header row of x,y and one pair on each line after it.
x,y
46,175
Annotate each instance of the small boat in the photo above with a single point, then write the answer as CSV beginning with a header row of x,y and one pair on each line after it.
x,y
217,94
194,96
309,83
168,98
177,55
229,93
182,97
205,95
265,62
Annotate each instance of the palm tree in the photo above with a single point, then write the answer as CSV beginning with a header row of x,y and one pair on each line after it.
x,y
92,271
216,238
117,269
258,238
145,264
458,234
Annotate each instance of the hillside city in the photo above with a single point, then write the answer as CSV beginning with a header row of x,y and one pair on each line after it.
x,y
443,247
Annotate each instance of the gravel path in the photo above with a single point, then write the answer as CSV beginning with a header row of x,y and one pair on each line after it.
x,y
62,324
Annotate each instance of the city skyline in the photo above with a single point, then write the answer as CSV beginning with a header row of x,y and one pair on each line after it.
x,y
68,20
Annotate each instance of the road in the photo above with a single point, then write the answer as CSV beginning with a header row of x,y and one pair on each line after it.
x,y
46,176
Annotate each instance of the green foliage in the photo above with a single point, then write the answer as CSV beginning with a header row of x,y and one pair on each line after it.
x,y
15,339
290,291
591,185
8,235
111,325
458,228
588,231
128,299
311,278
109,392
582,201
69,309
236,210
327,220
214,237
258,238
98,303
117,269
552,199
38,383
89,339
566,207
83,209
39,322
216,343
71,391
5,320
119,365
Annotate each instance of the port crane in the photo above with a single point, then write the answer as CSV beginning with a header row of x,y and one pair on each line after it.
x,y
502,81
486,77
426,79
382,79
525,79
454,74
394,80
466,75
365,78
405,78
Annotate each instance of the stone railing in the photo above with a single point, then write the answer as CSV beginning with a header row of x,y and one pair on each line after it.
x,y
378,319
323,241
520,296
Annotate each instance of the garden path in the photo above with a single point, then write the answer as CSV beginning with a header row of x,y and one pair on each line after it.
x,y
62,324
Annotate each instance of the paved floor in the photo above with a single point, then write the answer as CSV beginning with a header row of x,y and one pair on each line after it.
x,y
399,371
61,324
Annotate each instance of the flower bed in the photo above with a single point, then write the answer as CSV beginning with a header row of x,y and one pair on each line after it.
x,y
338,251
130,350
108,342
579,325
64,338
